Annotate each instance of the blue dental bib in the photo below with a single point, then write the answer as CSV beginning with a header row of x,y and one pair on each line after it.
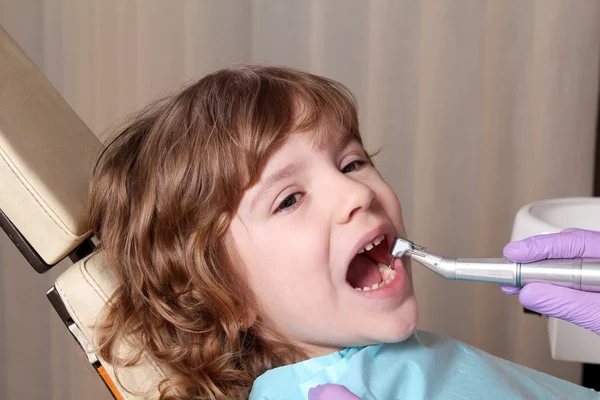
x,y
425,366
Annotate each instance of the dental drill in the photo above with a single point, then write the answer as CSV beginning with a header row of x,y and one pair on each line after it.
x,y
580,274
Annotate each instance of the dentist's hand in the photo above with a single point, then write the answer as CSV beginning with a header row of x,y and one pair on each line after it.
x,y
331,391
578,307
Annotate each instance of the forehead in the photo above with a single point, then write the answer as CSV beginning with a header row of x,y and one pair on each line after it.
x,y
296,144
325,129
323,135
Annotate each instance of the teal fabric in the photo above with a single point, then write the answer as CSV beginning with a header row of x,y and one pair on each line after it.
x,y
425,366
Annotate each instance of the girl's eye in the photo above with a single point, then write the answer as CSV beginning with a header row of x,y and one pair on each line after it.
x,y
353,166
288,203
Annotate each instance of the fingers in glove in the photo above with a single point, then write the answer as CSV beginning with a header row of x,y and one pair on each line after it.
x,y
331,391
570,243
510,289
578,307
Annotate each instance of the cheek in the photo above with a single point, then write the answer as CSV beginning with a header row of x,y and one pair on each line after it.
x,y
246,256
264,257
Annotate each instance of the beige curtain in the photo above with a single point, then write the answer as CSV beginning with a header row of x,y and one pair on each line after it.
x,y
479,106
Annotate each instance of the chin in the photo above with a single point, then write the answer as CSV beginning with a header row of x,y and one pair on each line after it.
x,y
399,336
406,326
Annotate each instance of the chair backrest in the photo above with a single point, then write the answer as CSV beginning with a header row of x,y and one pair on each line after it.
x,y
46,156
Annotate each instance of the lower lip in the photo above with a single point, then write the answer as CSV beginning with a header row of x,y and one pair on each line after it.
x,y
392,289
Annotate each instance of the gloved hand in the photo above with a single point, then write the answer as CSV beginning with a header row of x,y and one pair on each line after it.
x,y
331,391
578,307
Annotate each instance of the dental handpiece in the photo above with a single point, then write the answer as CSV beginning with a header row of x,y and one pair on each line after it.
x,y
577,273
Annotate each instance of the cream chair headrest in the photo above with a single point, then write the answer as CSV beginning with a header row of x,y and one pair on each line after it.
x,y
85,288
46,155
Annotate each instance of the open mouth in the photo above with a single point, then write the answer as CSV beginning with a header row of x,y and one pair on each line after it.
x,y
369,269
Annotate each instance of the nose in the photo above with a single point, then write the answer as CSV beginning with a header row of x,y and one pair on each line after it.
x,y
353,197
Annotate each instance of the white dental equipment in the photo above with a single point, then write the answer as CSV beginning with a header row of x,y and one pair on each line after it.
x,y
577,273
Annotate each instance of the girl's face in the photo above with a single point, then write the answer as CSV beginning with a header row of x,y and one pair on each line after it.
x,y
299,232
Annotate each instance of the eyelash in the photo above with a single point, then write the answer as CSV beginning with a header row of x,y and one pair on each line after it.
x,y
281,209
359,162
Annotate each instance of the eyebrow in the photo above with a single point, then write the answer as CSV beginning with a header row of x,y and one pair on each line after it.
x,y
272,179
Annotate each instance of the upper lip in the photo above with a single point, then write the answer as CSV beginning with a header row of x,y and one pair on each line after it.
x,y
382,229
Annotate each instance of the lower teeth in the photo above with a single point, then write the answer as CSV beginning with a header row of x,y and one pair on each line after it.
x,y
387,274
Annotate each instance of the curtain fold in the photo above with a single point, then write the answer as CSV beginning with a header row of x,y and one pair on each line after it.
x,y
478,107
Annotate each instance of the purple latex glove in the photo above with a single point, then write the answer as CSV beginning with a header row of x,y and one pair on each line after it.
x,y
331,391
578,307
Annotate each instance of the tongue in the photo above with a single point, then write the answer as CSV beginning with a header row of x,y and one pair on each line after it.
x,y
363,272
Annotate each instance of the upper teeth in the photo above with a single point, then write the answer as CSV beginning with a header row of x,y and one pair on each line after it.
x,y
372,244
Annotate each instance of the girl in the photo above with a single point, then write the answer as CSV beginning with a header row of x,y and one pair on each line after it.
x,y
250,234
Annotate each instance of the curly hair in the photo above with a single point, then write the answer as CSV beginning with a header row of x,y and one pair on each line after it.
x,y
162,196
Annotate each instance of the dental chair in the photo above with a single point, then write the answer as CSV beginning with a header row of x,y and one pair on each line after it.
x,y
47,155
